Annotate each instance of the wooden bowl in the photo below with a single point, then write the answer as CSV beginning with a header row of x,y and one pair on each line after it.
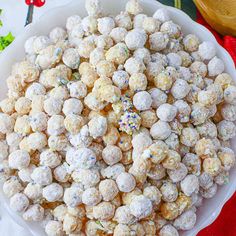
x,y
219,14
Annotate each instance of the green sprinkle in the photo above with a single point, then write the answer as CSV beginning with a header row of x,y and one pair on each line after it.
x,y
76,76
0,23
0,11
6,40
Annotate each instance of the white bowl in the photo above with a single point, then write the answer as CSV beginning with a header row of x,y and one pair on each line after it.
x,y
57,17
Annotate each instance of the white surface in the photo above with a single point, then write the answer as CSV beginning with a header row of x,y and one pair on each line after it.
x,y
211,208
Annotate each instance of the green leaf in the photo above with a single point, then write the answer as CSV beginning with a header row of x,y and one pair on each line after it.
x,y
6,40
0,11
0,23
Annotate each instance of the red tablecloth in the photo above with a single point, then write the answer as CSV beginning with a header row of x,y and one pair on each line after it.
x,y
224,225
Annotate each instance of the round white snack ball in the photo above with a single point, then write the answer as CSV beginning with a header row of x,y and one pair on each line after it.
x,y
35,89
93,7
71,58
6,123
19,159
59,212
8,105
228,112
33,191
227,158
191,42
3,150
111,154
12,186
23,105
158,97
38,121
168,230
178,174
209,192
57,143
53,192
77,32
50,158
180,89
142,101
141,141
172,29
174,59
153,193
162,15
98,54
73,196
83,158
189,136
166,112
91,197
54,228
57,34
97,126
25,173
143,54
186,221
124,20
105,25
160,130
72,106
42,175
123,215
56,125
88,177
138,82
138,21
169,192
135,39
230,95
133,7
37,141
77,89
125,182
134,65
112,172
141,206
207,50
205,180
34,213
40,43
226,130
29,49
108,189
158,41
150,25
118,34
19,202
215,66
52,106
189,185
121,79
104,211
72,21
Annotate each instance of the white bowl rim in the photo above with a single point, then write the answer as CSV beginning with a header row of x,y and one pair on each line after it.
x,y
48,14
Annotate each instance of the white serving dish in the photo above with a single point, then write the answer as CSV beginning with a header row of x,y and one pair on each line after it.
x,y
57,17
